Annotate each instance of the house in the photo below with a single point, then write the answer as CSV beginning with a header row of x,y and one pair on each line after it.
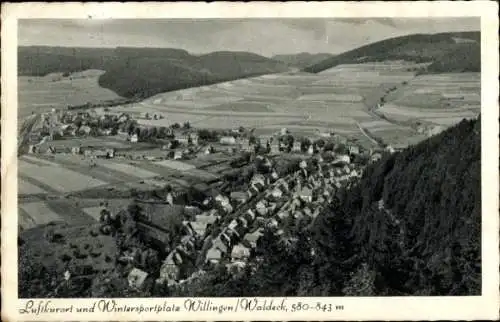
x,y
206,219
170,270
213,256
272,223
306,194
136,278
227,140
84,130
353,150
310,150
178,155
390,149
252,238
239,196
76,150
134,138
261,208
341,160
232,224
209,149
32,149
296,146
282,216
277,193
258,178
199,228
236,266
240,252
275,148
50,150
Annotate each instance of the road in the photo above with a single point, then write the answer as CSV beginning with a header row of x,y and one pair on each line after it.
x,y
366,134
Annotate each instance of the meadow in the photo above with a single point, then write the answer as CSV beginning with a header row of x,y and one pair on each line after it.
x,y
41,94
339,100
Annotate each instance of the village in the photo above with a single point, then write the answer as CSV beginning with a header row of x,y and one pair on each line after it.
x,y
292,180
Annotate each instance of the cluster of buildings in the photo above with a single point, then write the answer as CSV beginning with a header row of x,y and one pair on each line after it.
x,y
239,219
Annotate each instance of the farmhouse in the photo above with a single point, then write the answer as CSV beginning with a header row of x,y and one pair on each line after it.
x,y
227,140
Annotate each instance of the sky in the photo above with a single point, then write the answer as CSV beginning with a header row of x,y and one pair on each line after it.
x,y
267,37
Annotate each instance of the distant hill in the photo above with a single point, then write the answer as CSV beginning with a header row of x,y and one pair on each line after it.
x,y
143,72
302,60
410,226
447,52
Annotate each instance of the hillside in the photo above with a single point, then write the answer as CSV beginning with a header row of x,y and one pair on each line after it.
x,y
411,226
302,60
446,52
142,72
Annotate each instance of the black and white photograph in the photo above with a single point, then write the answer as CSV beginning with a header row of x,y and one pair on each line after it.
x,y
247,158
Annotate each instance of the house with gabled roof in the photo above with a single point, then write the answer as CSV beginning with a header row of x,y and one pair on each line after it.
x,y
253,237
214,255
240,252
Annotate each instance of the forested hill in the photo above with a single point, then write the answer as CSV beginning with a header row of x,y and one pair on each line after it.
x,y
143,72
411,226
302,60
446,52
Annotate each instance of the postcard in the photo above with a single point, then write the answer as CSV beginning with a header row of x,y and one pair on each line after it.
x,y
300,161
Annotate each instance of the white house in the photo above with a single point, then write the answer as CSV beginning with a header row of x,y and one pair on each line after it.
x,y
134,138
240,252
227,140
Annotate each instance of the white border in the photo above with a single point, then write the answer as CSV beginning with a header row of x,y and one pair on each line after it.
x,y
369,308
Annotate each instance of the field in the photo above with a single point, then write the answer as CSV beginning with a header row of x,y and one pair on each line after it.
x,y
57,188
342,100
442,100
41,94
338,100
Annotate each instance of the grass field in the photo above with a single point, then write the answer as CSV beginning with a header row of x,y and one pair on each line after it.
x,y
57,177
41,94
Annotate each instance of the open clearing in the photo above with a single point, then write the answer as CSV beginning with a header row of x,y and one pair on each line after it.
x,y
57,177
25,187
39,213
129,169
41,94
180,166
